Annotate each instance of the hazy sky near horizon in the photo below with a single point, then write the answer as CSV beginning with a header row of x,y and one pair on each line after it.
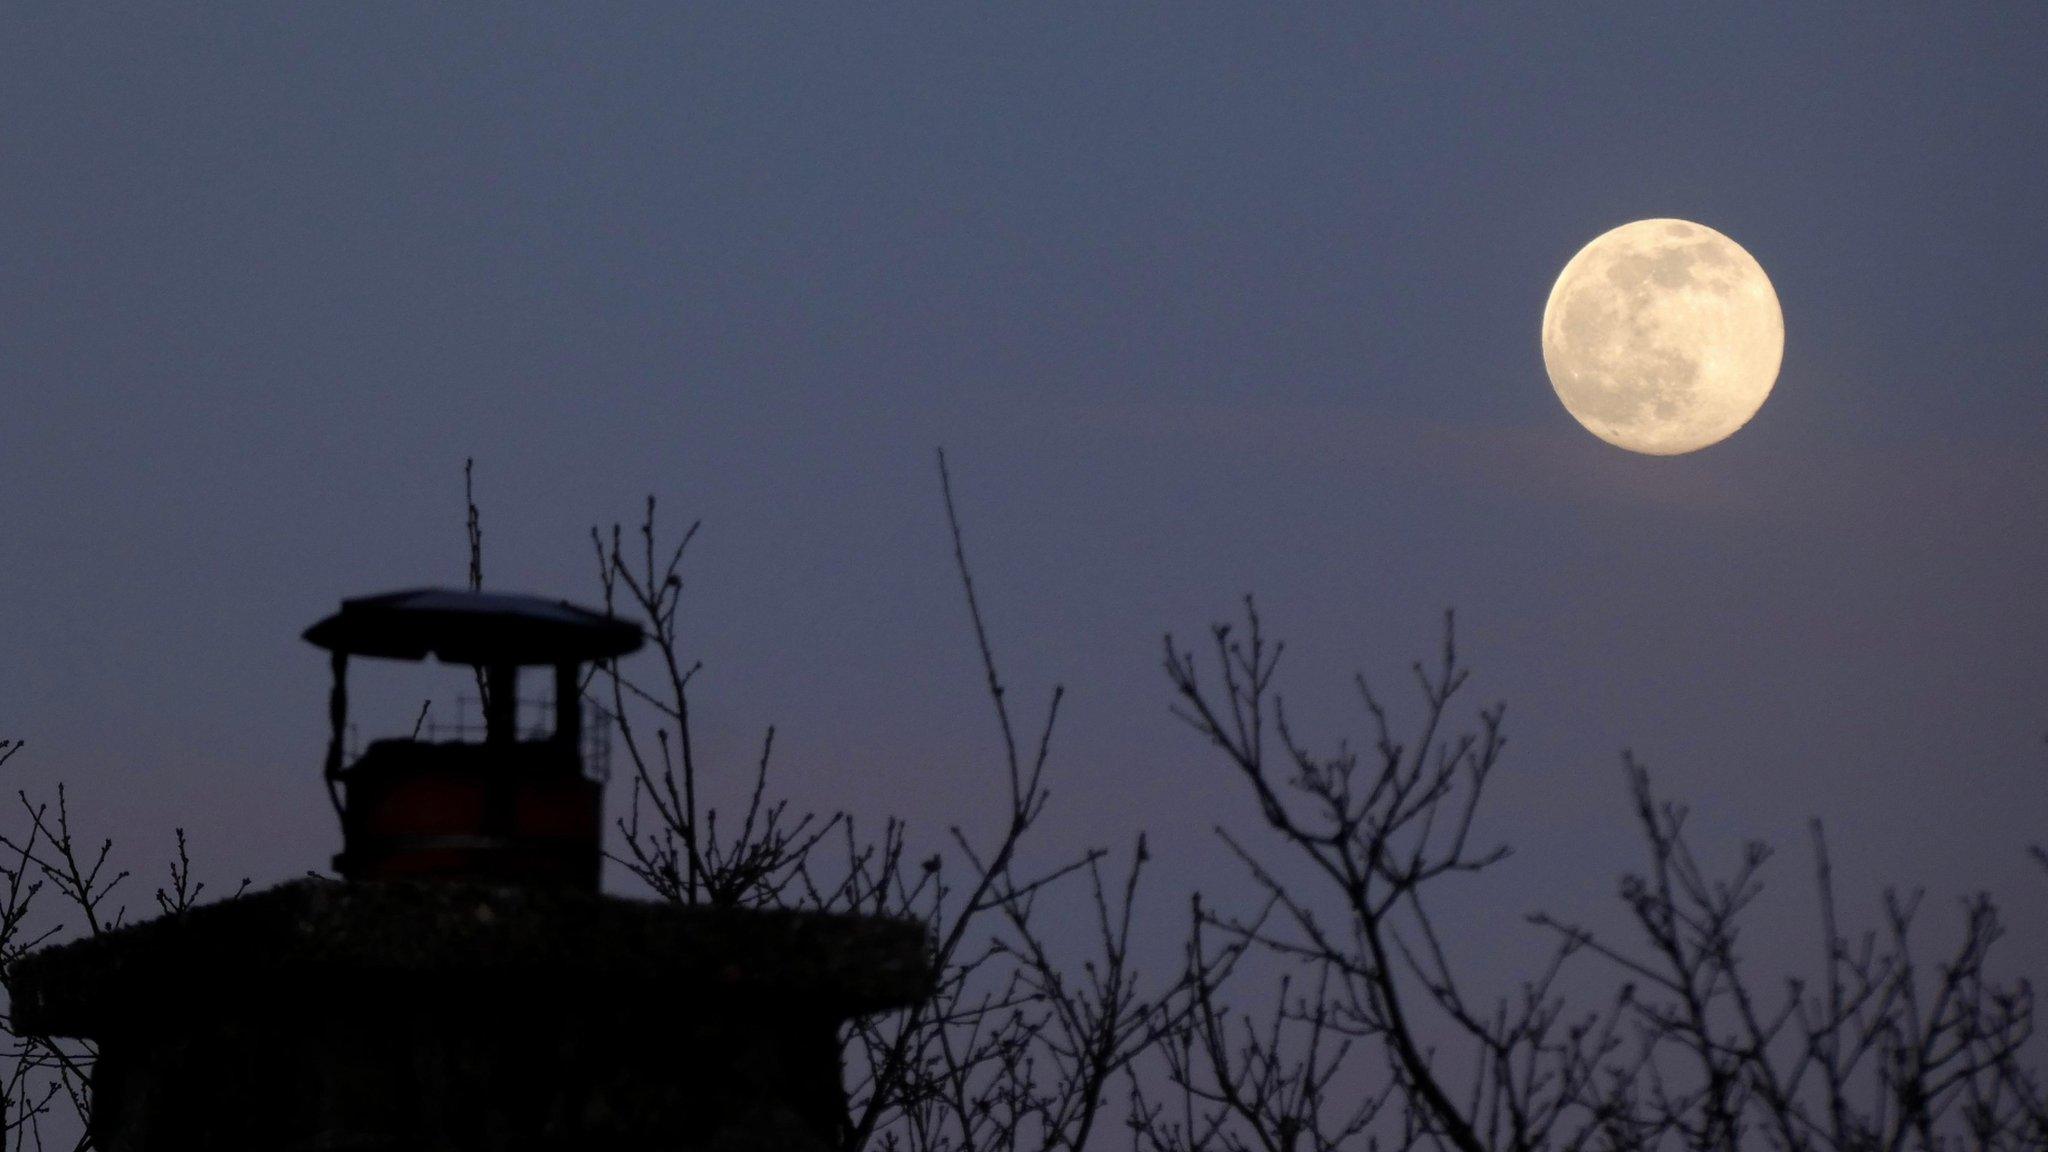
x,y
1200,302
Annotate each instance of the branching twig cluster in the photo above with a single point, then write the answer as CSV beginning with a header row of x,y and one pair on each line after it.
x,y
1881,1052
1017,1049
56,883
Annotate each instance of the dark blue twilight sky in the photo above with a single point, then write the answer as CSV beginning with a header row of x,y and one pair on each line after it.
x,y
1201,301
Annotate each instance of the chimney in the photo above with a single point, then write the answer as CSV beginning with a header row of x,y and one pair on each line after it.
x,y
517,805
465,986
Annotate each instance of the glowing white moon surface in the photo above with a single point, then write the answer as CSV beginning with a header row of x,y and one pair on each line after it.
x,y
1663,336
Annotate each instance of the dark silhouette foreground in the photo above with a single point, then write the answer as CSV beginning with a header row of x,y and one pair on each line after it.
x,y
1329,1016
466,986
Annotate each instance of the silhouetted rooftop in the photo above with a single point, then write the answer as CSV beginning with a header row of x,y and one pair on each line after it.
x,y
479,628
298,938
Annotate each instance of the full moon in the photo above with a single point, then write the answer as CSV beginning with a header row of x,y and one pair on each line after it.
x,y
1662,337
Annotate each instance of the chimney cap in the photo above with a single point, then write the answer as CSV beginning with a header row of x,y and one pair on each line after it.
x,y
474,628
